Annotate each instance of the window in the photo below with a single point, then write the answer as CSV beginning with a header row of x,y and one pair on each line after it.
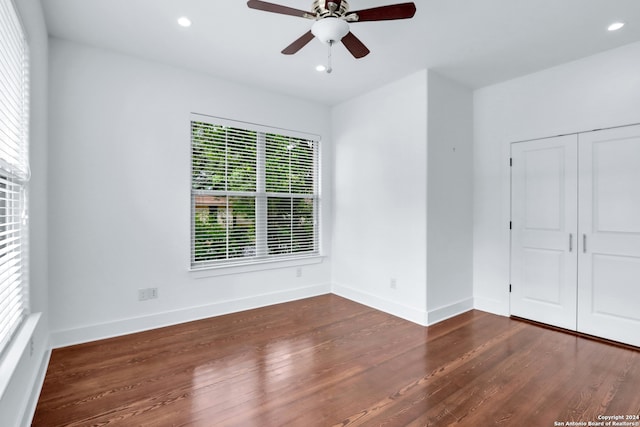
x,y
14,172
254,193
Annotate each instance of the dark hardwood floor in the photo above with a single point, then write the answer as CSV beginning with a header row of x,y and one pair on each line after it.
x,y
328,361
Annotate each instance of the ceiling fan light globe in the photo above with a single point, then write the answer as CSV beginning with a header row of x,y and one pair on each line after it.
x,y
330,29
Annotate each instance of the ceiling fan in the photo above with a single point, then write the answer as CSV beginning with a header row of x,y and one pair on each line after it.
x,y
332,19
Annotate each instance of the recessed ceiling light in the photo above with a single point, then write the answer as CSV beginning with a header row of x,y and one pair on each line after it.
x,y
321,68
615,26
184,21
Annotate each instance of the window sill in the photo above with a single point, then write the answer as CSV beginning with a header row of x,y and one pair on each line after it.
x,y
268,264
17,347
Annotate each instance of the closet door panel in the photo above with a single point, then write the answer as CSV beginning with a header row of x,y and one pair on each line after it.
x,y
609,227
543,246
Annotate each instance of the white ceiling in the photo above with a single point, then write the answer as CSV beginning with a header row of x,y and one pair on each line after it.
x,y
475,42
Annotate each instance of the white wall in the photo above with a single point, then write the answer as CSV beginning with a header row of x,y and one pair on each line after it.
x,y
450,198
595,92
19,399
119,197
380,186
403,198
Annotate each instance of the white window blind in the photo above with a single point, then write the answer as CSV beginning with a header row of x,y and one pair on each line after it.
x,y
14,172
254,193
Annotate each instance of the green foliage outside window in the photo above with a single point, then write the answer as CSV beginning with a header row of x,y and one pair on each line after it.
x,y
224,163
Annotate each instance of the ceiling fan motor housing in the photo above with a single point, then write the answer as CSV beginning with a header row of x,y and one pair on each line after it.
x,y
336,8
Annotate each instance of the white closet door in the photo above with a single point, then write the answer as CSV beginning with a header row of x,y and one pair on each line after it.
x,y
609,227
544,227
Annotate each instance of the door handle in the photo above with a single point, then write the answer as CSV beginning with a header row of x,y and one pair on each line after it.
x,y
584,243
570,242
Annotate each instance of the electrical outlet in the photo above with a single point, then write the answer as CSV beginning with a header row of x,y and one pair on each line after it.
x,y
31,347
147,294
298,272
393,283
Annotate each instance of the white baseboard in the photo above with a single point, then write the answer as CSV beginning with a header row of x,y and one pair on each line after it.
x,y
450,310
89,333
501,308
32,403
399,310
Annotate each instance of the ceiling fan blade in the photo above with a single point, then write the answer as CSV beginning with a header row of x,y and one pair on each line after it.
x,y
354,45
276,8
383,13
298,44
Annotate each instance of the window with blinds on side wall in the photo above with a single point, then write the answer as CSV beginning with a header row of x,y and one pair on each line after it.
x,y
14,172
254,193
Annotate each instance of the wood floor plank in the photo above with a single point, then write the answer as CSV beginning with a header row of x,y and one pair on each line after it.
x,y
327,361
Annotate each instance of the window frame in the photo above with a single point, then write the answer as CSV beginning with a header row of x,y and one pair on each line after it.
x,y
262,260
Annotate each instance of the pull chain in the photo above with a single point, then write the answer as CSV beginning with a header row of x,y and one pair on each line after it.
x,y
329,69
